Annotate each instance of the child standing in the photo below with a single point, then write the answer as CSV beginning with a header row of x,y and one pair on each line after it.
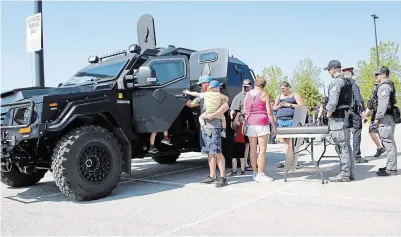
x,y
212,99
240,148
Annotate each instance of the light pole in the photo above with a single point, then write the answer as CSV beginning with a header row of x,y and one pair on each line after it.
x,y
39,67
377,49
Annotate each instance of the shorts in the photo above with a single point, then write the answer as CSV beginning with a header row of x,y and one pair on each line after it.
x,y
239,150
212,143
284,123
257,130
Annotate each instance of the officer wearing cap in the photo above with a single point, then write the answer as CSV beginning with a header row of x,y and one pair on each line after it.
x,y
355,114
340,101
384,119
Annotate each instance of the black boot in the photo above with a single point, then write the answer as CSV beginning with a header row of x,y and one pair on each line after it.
x,y
380,152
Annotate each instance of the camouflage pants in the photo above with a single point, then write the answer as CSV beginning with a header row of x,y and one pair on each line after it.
x,y
341,138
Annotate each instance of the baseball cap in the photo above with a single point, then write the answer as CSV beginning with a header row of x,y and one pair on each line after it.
x,y
214,84
382,69
333,64
247,83
204,79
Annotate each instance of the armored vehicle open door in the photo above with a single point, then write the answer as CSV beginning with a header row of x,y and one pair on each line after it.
x,y
217,63
158,99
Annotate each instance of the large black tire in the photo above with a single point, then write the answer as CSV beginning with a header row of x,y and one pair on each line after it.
x,y
166,159
87,163
16,179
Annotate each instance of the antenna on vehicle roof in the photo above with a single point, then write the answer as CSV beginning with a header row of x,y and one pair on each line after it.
x,y
146,33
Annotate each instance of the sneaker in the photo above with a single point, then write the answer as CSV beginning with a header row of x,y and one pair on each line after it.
x,y
262,178
231,173
221,182
386,172
248,168
167,142
242,172
209,180
380,152
223,133
153,150
254,175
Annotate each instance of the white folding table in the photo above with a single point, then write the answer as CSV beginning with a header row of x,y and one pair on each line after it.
x,y
297,138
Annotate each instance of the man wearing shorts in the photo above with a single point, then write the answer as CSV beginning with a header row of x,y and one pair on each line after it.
x,y
211,145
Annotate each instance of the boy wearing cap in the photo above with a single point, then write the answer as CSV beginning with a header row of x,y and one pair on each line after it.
x,y
213,100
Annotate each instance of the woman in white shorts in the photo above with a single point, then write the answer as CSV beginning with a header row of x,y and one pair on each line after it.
x,y
257,115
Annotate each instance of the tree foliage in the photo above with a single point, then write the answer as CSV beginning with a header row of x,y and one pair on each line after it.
x,y
306,81
364,71
306,72
274,76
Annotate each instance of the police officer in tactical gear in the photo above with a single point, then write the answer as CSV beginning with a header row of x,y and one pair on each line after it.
x,y
355,113
338,108
384,119
373,131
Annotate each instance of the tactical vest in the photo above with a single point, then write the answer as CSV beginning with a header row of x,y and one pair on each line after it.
x,y
346,95
392,101
372,102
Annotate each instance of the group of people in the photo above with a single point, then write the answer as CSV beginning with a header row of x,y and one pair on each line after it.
x,y
251,113
344,116
255,125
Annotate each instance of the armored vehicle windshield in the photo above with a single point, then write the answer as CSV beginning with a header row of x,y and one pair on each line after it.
x,y
98,72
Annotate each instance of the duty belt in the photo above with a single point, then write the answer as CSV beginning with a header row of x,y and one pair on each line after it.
x,y
339,113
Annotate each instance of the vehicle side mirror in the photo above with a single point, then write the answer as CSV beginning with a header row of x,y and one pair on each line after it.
x,y
60,84
147,76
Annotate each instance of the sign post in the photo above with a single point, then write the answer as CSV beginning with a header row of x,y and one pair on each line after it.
x,y
34,41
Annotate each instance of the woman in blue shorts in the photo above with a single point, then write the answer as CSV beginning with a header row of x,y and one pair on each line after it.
x,y
285,106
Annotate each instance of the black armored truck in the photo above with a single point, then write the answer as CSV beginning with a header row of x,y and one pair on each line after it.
x,y
87,130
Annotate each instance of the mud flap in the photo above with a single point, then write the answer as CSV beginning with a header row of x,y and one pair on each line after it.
x,y
126,149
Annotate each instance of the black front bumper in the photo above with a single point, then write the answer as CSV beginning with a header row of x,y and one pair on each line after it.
x,y
12,133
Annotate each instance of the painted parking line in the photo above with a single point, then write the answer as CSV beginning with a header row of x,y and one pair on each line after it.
x,y
33,199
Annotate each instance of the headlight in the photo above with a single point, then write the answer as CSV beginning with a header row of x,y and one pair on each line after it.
x,y
21,116
26,115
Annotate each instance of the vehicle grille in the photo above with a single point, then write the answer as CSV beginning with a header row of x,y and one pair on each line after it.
x,y
3,116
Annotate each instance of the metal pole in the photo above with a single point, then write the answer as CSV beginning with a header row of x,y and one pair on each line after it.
x,y
39,66
377,48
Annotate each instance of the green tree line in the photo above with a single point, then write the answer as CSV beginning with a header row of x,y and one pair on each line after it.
x,y
306,77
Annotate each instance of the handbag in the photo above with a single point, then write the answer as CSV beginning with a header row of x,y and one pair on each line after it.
x,y
245,124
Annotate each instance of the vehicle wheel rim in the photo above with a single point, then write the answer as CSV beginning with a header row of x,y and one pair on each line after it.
x,y
95,162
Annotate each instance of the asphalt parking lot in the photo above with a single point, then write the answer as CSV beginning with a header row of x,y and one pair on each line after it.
x,y
169,200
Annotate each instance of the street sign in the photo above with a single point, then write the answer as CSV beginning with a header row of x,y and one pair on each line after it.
x,y
34,33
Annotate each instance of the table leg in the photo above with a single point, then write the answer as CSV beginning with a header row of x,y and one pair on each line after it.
x,y
324,151
289,163
313,160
